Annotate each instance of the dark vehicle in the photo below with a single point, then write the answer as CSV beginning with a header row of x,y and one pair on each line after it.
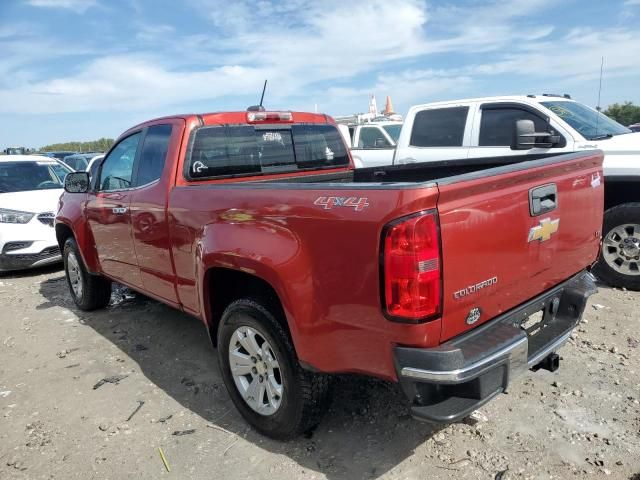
x,y
80,161
58,155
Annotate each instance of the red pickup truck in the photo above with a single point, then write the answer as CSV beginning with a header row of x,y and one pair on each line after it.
x,y
447,277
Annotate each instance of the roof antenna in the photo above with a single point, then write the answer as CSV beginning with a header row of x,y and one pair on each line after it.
x,y
259,108
599,91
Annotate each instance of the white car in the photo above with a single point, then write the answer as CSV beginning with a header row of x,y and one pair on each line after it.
x,y
94,163
30,187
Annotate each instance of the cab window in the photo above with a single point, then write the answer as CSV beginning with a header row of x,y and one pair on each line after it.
x,y
117,169
372,137
153,154
441,127
498,126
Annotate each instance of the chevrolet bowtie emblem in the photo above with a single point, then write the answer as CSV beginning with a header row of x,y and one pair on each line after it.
x,y
544,231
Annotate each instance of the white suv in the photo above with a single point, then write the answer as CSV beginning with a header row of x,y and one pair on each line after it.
x,y
30,187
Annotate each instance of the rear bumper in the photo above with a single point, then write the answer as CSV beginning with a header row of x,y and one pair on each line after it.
x,y
447,383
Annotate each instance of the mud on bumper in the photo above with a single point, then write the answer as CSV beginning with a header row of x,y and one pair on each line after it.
x,y
447,383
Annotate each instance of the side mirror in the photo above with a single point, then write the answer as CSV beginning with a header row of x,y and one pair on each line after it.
x,y
527,137
77,182
380,143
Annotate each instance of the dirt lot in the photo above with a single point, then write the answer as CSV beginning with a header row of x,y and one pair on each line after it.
x,y
58,420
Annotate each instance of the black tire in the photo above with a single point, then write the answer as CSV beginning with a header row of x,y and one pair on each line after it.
x,y
625,214
95,292
305,394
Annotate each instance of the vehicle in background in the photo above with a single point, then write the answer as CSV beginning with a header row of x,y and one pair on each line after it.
x,y
378,139
300,266
635,127
30,187
94,164
16,151
58,155
79,161
519,128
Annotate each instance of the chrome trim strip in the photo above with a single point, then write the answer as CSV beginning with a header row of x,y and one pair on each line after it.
x,y
519,347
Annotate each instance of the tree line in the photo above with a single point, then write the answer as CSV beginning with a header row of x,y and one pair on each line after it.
x,y
100,145
626,113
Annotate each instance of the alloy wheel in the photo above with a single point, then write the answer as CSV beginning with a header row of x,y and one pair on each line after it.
x,y
75,275
621,249
255,370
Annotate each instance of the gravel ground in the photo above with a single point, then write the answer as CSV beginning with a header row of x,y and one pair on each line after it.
x,y
60,419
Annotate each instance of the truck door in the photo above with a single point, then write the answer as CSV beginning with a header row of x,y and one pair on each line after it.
x,y
152,178
108,214
493,133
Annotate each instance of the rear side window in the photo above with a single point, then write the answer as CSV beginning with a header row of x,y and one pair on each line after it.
x,y
498,126
443,127
222,151
153,154
372,137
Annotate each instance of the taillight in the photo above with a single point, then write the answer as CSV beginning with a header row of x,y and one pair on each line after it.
x,y
412,268
253,117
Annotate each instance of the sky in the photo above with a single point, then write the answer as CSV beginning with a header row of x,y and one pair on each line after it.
x,y
85,69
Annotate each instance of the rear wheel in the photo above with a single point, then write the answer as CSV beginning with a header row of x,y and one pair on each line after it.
x,y
619,262
89,292
262,373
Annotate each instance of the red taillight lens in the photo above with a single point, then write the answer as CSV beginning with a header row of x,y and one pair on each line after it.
x,y
412,279
253,117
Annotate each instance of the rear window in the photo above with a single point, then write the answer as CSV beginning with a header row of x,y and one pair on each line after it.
x,y
442,127
223,151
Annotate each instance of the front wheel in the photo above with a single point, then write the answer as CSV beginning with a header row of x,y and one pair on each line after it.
x,y
619,262
262,373
89,292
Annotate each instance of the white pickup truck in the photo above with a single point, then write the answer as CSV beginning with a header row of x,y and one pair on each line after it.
x,y
377,139
455,133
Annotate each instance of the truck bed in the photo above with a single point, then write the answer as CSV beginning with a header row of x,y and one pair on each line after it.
x,y
445,170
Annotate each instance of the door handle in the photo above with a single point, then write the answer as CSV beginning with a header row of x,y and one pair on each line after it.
x,y
119,210
543,199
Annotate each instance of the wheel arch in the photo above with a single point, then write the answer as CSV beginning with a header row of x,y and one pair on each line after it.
x,y
223,285
621,190
63,233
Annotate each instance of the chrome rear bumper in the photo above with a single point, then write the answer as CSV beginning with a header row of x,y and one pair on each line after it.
x,y
446,383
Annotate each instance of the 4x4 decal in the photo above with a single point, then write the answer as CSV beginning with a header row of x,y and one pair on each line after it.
x,y
358,204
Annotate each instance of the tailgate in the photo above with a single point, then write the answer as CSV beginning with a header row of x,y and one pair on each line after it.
x,y
510,233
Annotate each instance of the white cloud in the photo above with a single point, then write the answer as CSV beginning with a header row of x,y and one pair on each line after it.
x,y
302,47
127,83
79,6
151,33
632,3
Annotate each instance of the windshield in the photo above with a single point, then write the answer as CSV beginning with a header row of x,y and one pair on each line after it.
x,y
393,131
26,176
587,121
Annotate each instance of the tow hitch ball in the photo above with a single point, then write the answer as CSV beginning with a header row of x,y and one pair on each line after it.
x,y
550,362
